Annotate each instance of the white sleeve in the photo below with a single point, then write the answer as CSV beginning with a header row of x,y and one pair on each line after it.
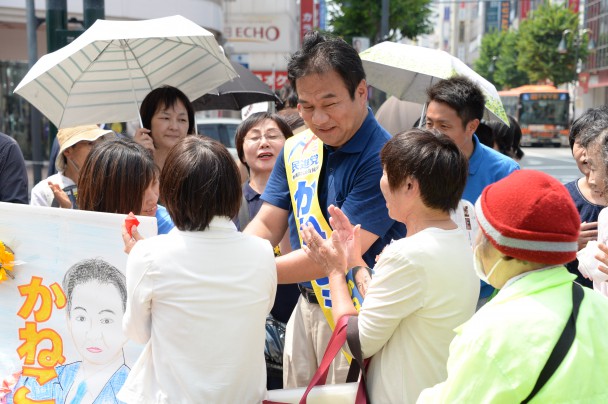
x,y
137,321
395,292
40,195
586,259
587,263
273,282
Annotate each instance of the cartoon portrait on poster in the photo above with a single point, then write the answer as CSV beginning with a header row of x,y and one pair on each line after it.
x,y
62,299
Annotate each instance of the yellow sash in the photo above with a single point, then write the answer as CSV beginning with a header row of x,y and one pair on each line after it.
x,y
303,155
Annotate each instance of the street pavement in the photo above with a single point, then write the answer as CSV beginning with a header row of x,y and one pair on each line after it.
x,y
557,162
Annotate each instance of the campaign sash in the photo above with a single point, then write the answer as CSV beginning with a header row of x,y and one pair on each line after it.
x,y
303,155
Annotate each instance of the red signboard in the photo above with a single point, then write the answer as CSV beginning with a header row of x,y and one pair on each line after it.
x,y
306,17
574,5
524,8
278,78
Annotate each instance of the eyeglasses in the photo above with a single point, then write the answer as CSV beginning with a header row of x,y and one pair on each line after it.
x,y
272,137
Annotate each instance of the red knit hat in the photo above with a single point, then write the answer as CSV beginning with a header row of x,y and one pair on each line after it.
x,y
530,215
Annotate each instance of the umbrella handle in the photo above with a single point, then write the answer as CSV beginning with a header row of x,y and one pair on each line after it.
x,y
422,115
123,45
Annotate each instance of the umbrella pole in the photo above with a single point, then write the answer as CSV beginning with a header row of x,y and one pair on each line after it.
x,y
124,51
422,115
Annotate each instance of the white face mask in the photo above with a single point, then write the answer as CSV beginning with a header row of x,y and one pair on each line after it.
x,y
478,266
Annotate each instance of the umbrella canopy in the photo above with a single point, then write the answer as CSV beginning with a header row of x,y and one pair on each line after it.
x,y
406,71
244,90
396,116
105,73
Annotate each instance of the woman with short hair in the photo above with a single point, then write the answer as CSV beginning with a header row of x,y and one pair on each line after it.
x,y
167,117
423,285
198,297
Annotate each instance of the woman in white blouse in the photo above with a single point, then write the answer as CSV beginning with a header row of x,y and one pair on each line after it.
x,y
424,284
198,296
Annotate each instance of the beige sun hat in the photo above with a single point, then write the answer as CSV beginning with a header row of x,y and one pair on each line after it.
x,y
68,137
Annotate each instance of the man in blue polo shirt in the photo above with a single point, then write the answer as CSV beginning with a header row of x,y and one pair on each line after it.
x,y
328,77
455,108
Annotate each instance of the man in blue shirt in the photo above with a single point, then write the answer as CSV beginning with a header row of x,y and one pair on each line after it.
x,y
455,108
328,77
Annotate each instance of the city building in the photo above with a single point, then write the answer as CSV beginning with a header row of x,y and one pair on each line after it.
x,y
262,35
593,78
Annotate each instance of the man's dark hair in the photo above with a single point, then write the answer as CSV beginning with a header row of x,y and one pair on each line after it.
x,y
507,138
360,268
460,94
587,126
199,181
484,134
164,97
321,54
433,159
288,97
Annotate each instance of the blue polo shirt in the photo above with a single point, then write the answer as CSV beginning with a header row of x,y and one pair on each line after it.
x,y
350,180
486,166
163,220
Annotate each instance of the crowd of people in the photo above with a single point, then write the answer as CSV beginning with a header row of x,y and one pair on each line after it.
x,y
241,289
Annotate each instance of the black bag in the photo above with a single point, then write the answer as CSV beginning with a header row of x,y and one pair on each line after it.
x,y
275,342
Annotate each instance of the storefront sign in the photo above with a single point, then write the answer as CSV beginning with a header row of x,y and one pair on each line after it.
x,y
249,34
275,80
306,17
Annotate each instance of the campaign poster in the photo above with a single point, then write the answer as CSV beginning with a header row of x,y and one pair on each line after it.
x,y
358,279
62,299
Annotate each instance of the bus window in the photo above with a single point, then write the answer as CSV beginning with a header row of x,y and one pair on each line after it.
x,y
542,112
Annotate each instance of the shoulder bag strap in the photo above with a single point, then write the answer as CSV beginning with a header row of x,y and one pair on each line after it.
x,y
338,337
352,337
563,343
354,343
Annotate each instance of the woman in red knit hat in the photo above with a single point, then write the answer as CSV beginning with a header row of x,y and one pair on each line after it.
x,y
538,339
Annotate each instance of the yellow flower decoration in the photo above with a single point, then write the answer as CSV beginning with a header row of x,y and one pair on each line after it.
x,y
7,262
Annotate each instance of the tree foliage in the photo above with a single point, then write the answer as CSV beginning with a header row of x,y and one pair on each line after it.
x,y
508,74
487,63
407,18
539,37
498,60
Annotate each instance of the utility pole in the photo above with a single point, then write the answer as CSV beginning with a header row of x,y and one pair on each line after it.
x,y
57,32
93,10
384,21
35,117
56,21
